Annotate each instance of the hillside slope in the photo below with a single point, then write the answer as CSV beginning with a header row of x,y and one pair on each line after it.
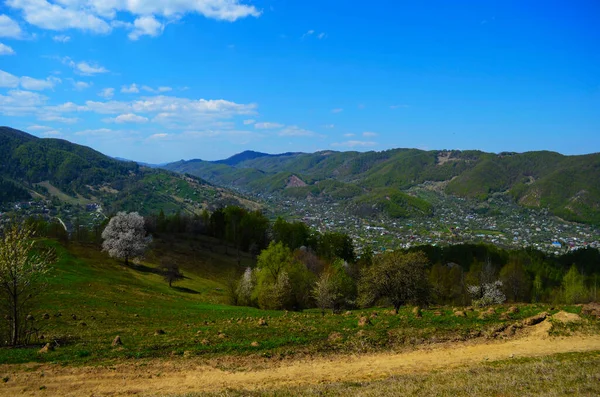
x,y
77,175
569,186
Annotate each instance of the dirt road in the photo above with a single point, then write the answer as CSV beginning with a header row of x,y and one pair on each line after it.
x,y
159,377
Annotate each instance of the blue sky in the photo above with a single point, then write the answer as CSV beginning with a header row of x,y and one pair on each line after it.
x,y
159,80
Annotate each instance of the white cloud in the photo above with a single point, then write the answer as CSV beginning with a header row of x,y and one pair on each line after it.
x,y
98,16
146,25
355,144
6,50
132,89
312,32
249,121
329,126
84,68
172,113
267,126
337,110
61,38
9,28
37,127
349,135
8,80
99,131
30,83
398,106
49,16
20,103
52,133
158,136
369,134
67,107
159,89
87,69
107,93
110,107
81,85
58,119
128,118
309,33
294,130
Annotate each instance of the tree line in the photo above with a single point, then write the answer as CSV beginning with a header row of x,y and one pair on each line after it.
x,y
298,268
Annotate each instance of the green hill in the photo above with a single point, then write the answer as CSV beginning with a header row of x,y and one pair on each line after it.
x,y
566,185
31,167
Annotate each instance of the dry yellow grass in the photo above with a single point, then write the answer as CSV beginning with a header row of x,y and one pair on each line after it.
x,y
183,376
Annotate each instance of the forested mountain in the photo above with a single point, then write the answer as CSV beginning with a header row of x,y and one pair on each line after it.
x,y
569,186
46,168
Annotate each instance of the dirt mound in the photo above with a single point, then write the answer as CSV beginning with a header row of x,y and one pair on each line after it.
x,y
591,309
565,317
539,330
538,318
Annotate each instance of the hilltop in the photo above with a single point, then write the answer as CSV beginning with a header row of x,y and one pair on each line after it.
x,y
565,185
38,171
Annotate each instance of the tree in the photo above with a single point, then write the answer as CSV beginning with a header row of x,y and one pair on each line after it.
x,y
22,271
125,236
399,277
282,281
274,259
171,273
245,287
336,245
573,286
538,288
487,293
447,283
293,235
233,218
516,281
334,288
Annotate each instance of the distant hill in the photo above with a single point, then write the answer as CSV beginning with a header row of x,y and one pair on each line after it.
x,y
569,186
75,174
240,157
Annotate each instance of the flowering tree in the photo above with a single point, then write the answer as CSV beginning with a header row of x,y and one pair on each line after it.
x,y
245,287
487,294
125,236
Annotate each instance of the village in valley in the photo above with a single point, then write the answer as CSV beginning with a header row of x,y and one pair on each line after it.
x,y
455,221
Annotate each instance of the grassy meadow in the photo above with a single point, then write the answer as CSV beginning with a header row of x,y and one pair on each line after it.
x,y
91,299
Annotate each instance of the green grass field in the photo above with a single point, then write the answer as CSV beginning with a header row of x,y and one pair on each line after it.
x,y
91,299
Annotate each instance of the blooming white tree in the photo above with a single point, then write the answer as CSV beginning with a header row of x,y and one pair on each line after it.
x,y
125,236
246,287
487,293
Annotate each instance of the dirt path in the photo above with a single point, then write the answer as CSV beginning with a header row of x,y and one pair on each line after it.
x,y
161,377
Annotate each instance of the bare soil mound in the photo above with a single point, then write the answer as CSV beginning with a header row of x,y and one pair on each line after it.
x,y
565,317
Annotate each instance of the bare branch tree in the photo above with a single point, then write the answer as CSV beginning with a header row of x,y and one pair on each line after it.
x,y
22,271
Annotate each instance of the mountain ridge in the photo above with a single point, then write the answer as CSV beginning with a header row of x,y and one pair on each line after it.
x,y
566,185
78,175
